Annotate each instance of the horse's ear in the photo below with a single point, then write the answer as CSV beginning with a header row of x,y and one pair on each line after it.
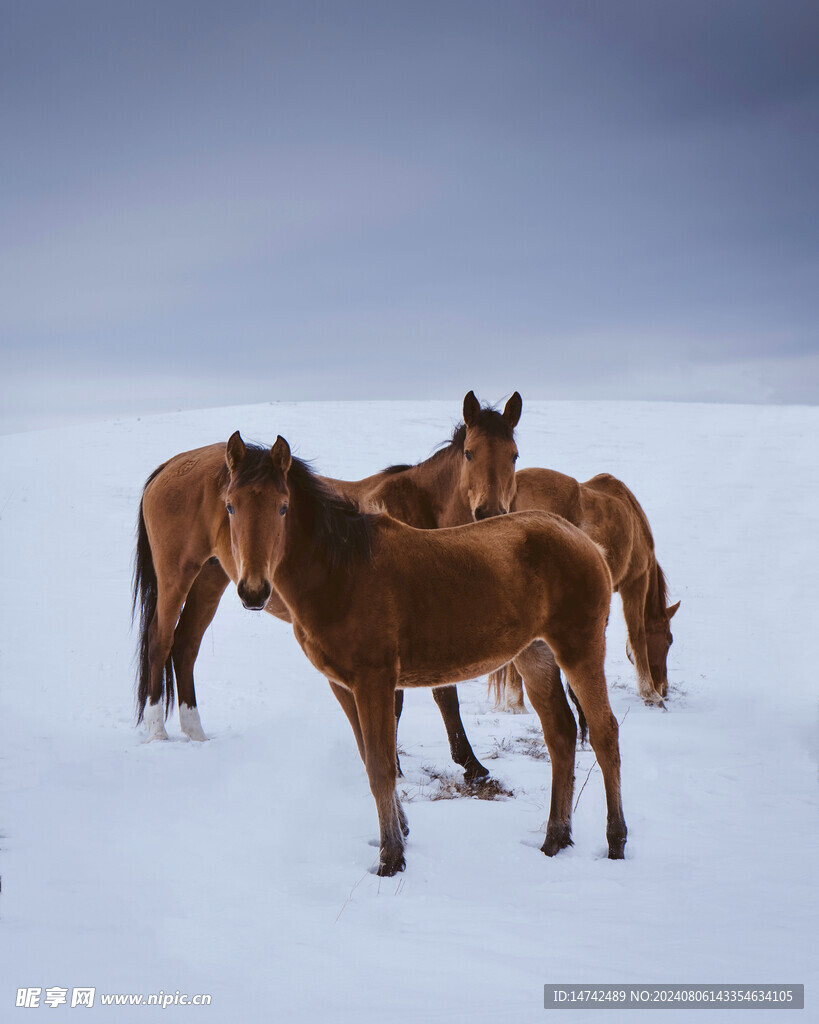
x,y
513,409
672,611
280,454
471,409
234,451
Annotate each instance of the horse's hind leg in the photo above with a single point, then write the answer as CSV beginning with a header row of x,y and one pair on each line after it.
x,y
200,607
542,678
633,595
170,598
446,697
588,680
376,713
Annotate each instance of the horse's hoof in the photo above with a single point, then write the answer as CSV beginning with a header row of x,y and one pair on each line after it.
x,y
199,737
154,719
190,723
617,843
558,837
390,866
475,771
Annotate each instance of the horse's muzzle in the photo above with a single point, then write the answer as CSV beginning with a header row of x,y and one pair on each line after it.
x,y
484,512
254,599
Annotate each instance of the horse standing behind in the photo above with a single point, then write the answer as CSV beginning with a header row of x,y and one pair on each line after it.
x,y
179,581
609,513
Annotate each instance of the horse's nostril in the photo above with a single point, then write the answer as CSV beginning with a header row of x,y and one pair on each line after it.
x,y
480,512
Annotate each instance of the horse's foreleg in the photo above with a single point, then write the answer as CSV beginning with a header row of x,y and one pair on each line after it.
x,y
375,704
633,595
168,607
588,681
172,589
200,607
347,702
446,697
542,678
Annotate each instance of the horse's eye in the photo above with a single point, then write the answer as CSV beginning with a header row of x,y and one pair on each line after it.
x,y
515,457
230,509
467,455
282,510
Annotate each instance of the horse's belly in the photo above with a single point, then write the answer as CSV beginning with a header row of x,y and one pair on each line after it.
x,y
444,660
445,677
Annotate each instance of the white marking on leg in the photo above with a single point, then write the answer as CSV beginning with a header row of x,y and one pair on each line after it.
x,y
154,719
191,726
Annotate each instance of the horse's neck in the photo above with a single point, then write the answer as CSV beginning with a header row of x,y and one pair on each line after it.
x,y
437,480
310,584
655,604
303,574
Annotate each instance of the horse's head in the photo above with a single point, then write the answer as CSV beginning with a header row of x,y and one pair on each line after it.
x,y
658,643
256,500
490,453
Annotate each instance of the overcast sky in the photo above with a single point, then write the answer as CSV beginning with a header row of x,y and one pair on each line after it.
x,y
209,203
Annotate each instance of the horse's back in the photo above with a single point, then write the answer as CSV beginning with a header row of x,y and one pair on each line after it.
x,y
527,546
550,491
614,518
182,504
522,576
609,486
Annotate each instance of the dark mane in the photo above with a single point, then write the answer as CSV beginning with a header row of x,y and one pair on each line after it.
x,y
339,530
490,422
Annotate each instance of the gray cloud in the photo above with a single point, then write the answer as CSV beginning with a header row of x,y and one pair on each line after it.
x,y
367,200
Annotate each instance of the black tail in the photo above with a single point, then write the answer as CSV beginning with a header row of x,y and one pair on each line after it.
x,y
144,596
581,718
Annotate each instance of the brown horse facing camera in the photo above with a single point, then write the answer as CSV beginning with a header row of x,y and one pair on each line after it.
x,y
183,511
377,605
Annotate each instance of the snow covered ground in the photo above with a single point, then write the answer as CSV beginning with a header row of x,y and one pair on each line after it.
x,y
239,867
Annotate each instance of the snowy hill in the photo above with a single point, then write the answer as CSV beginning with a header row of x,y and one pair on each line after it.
x,y
239,867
